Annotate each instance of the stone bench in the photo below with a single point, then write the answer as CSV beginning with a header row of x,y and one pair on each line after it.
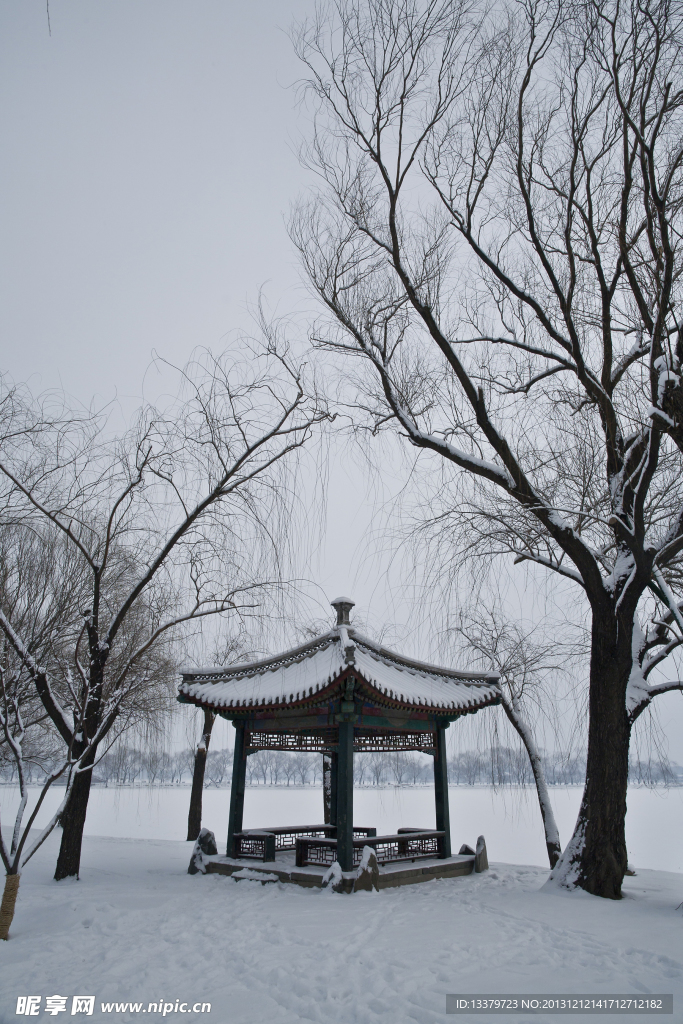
x,y
263,843
407,844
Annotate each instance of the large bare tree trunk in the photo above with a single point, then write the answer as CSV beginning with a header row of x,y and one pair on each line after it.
x,y
73,822
596,856
9,899
194,817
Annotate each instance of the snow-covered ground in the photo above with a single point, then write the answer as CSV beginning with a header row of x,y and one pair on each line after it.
x,y
137,928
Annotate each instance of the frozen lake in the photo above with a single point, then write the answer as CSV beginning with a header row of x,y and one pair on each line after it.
x,y
509,819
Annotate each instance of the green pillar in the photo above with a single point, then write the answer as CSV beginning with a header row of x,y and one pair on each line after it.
x,y
330,787
443,821
334,764
344,800
327,788
239,775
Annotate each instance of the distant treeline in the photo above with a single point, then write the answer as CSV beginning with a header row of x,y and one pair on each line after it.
x,y
496,766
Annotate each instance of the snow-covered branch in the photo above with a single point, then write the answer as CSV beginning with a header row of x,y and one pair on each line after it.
x,y
562,570
639,697
39,676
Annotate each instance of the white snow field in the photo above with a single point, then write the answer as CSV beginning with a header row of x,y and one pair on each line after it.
x,y
137,929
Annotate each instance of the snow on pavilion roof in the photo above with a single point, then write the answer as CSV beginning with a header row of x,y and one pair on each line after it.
x,y
304,676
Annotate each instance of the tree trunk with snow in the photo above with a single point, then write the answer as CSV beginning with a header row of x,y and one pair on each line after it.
x,y
194,817
72,821
519,722
596,858
22,846
9,899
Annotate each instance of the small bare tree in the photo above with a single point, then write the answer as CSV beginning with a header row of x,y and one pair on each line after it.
x,y
527,667
218,765
230,651
194,814
13,673
496,239
173,522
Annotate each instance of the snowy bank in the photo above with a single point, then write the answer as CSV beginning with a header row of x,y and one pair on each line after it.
x,y
138,928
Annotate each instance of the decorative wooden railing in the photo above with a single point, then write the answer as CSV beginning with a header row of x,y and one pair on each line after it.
x,y
263,843
405,845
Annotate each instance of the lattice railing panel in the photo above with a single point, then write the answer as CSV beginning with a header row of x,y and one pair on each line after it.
x,y
394,848
321,740
286,840
389,849
254,847
319,852
369,740
296,742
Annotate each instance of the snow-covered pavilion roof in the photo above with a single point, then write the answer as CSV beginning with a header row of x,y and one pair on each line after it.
x,y
311,674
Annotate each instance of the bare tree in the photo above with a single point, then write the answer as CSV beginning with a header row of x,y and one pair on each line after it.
x,y
497,242
156,764
526,666
399,767
377,767
231,650
303,766
194,815
218,766
260,766
175,521
69,765
360,768
418,769
183,762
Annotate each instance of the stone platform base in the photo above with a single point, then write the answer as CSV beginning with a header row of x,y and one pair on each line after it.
x,y
283,869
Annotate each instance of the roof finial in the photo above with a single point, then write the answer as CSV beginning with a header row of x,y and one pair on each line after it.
x,y
343,606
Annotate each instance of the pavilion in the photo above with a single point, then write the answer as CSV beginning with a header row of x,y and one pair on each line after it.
x,y
339,694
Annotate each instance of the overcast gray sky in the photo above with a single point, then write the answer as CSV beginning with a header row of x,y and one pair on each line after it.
x,y
149,161
148,164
